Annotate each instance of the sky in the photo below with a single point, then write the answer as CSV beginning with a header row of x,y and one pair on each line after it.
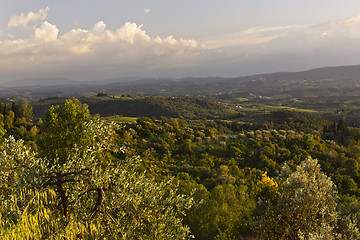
x,y
95,40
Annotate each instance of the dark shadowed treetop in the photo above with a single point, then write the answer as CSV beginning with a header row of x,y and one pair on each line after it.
x,y
23,109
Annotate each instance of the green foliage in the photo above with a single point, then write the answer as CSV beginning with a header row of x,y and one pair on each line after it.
x,y
84,197
23,109
64,130
9,119
149,106
2,132
306,206
178,145
340,133
32,215
79,186
227,210
17,124
298,121
349,221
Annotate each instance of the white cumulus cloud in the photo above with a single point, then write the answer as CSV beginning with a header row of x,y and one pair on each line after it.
x,y
128,50
47,32
97,52
24,20
147,10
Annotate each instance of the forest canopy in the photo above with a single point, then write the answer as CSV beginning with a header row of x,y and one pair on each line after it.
x,y
73,175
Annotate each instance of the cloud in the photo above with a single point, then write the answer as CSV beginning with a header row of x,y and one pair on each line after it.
x,y
46,33
290,38
97,52
297,39
251,36
24,20
130,32
147,10
282,48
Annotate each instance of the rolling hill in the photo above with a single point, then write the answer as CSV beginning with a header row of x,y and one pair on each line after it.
x,y
327,81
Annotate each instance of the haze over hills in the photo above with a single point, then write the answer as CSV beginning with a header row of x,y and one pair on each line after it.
x,y
32,82
327,81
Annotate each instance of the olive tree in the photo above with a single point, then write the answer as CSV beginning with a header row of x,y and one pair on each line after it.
x,y
306,206
85,197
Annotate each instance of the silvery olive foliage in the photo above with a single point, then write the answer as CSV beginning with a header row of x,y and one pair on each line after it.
x,y
323,232
306,207
85,197
349,222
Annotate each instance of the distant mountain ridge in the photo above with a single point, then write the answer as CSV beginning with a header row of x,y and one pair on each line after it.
x,y
338,80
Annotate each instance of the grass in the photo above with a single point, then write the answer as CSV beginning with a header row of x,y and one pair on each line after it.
x,y
121,119
240,99
261,107
294,109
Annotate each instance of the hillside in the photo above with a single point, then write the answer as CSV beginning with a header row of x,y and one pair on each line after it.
x,y
327,81
147,106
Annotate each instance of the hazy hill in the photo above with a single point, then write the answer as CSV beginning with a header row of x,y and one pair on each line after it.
x,y
33,82
327,81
